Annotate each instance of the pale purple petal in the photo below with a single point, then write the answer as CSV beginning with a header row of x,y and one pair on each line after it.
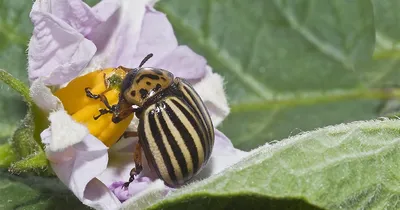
x,y
99,197
184,63
65,131
223,156
78,166
57,52
43,97
135,187
116,39
80,16
119,168
211,90
105,8
156,36
121,163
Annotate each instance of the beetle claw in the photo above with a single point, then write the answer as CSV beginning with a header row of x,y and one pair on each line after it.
x,y
102,112
90,94
125,185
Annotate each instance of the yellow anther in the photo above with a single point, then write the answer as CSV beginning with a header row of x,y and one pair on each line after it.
x,y
83,108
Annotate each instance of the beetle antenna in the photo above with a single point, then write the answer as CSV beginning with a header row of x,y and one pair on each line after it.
x,y
145,59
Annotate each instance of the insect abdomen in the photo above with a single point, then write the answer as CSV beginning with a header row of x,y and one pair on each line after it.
x,y
173,139
194,101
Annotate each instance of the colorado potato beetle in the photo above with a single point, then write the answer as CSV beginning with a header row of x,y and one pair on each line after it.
x,y
175,129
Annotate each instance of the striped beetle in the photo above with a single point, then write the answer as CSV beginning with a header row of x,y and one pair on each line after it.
x,y
175,129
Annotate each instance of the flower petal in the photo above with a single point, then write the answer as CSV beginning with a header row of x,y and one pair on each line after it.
x,y
132,33
78,166
119,167
137,186
117,38
57,52
43,97
157,37
211,91
65,131
185,63
155,191
223,156
80,16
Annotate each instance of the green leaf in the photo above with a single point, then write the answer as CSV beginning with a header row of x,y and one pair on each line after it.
x,y
388,36
35,193
289,66
26,149
7,155
36,162
387,49
347,166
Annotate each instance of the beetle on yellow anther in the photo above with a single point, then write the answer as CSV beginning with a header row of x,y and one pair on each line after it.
x,y
175,129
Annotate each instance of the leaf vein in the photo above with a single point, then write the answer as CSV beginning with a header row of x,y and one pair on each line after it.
x,y
216,56
322,46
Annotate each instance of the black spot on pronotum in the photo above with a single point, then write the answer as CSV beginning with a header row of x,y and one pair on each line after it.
x,y
150,76
133,93
158,87
148,83
157,71
143,93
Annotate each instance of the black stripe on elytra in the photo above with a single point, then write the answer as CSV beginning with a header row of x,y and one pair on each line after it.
x,y
174,146
144,142
199,105
151,76
198,128
186,137
199,113
155,132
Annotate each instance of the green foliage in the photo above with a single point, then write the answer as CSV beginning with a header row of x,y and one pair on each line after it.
x,y
289,66
32,192
348,166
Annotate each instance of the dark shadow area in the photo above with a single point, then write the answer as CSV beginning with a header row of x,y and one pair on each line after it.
x,y
235,202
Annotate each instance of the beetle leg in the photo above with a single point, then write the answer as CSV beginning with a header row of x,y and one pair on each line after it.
x,y
90,94
102,98
137,158
128,134
110,109
102,112
123,113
